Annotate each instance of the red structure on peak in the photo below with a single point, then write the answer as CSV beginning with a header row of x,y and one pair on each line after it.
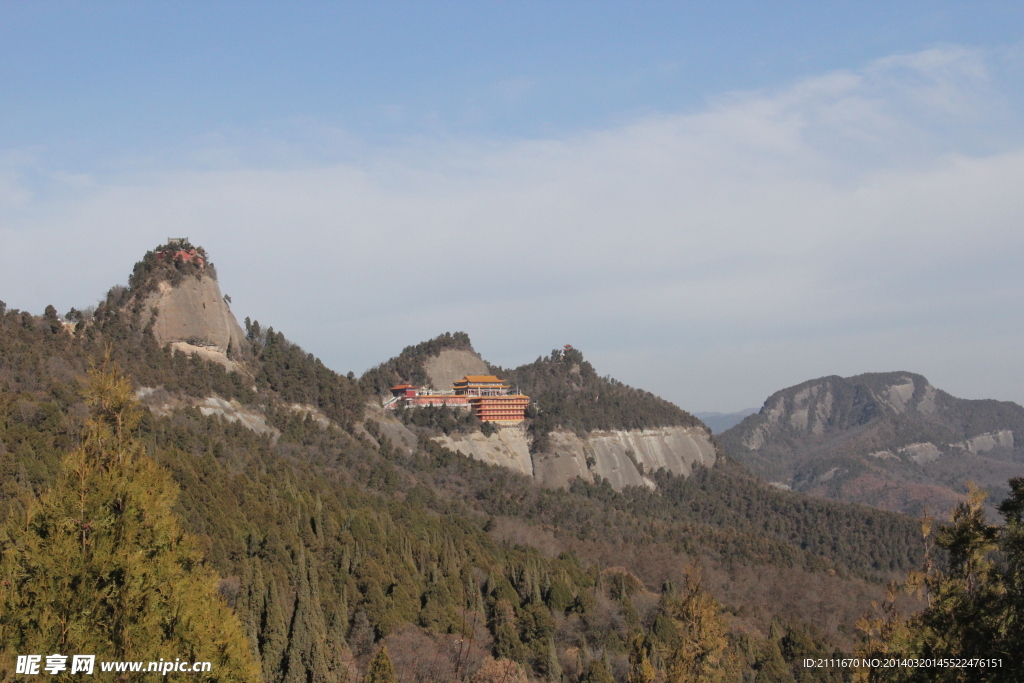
x,y
190,256
176,251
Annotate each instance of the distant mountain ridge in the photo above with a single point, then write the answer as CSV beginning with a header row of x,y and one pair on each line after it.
x,y
887,439
719,422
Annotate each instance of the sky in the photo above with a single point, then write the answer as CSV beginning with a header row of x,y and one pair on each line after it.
x,y
713,201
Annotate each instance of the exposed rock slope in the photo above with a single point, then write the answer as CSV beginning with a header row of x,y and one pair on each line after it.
x,y
451,365
886,439
508,448
622,457
195,313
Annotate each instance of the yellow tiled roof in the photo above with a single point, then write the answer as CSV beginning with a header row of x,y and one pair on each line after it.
x,y
481,379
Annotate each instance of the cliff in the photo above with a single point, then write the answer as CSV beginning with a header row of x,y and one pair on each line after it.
x,y
623,457
451,365
887,439
178,285
195,313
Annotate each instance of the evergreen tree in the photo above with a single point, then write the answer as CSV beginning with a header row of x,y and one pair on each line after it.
x,y
973,607
305,661
771,667
273,635
100,565
597,672
337,650
552,668
507,644
1012,545
381,668
640,668
361,636
699,652
251,602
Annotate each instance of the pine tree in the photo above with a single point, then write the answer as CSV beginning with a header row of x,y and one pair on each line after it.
x,y
640,668
973,606
381,668
771,667
305,661
552,668
700,651
1012,545
507,644
251,602
100,565
597,672
273,636
337,649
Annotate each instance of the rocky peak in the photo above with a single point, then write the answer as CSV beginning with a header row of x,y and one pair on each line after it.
x,y
835,403
889,439
177,286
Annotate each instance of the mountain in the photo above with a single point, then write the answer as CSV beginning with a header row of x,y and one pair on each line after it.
x,y
336,528
891,440
436,364
719,422
579,425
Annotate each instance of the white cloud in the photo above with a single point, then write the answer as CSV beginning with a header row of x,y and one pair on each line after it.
x,y
860,220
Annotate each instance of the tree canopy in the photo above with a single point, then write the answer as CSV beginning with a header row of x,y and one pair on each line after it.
x,y
99,564
974,599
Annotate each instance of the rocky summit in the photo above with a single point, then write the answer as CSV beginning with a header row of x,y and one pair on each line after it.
x,y
891,440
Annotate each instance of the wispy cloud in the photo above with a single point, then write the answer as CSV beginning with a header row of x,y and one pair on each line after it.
x,y
859,220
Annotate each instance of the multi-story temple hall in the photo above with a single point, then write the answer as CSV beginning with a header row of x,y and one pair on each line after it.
x,y
487,395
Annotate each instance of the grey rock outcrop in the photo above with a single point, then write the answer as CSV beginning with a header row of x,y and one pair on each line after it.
x,y
887,439
451,365
194,316
509,448
623,457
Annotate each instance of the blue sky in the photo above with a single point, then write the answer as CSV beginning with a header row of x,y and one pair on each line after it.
x,y
711,200
108,78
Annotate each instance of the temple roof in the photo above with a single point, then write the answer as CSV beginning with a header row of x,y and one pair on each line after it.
x,y
481,379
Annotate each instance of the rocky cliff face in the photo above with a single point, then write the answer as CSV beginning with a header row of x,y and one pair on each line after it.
x,y
623,457
509,448
194,317
886,439
451,365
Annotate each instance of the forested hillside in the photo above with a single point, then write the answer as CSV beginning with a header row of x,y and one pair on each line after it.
x,y
410,365
569,394
373,543
565,390
330,542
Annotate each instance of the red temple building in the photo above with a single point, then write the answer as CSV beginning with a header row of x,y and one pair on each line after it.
x,y
491,400
487,395
413,396
481,385
508,409
404,391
